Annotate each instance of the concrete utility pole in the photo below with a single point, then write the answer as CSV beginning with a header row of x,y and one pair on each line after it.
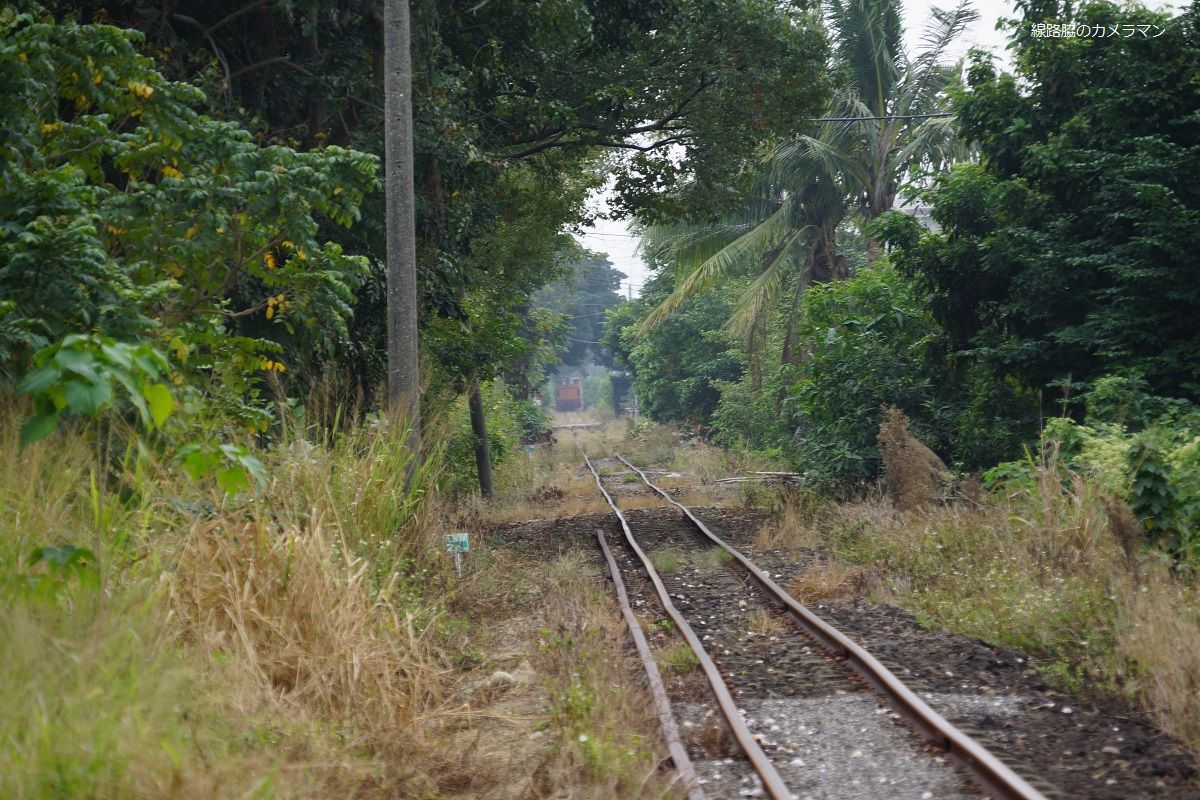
x,y
404,383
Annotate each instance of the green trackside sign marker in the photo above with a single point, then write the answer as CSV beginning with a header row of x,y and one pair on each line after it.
x,y
457,544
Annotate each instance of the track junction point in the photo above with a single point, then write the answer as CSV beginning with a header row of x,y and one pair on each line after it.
x,y
991,775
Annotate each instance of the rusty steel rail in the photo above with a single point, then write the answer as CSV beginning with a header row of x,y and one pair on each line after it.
x,y
994,776
773,785
662,703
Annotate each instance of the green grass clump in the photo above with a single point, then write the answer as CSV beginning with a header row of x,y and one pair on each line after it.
x,y
677,659
666,561
713,559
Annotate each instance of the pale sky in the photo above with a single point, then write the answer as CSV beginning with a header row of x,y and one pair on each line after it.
x,y
612,236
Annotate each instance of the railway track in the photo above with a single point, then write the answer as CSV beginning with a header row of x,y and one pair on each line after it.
x,y
807,680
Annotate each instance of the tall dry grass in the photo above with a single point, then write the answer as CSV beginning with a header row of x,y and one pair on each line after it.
x,y
1046,566
314,643
275,645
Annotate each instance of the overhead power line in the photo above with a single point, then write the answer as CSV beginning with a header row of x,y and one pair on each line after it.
x,y
895,116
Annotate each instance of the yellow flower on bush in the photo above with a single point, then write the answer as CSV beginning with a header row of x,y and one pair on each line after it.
x,y
275,305
140,89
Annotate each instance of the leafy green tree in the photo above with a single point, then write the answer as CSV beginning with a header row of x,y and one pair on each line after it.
x,y
677,368
1069,251
497,331
784,237
497,85
873,343
130,216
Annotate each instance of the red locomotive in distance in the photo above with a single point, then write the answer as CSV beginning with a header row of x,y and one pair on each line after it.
x,y
568,395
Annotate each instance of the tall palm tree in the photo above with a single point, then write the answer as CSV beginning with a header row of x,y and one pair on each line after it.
x,y
890,118
875,133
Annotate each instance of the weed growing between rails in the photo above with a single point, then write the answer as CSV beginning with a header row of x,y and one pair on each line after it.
x,y
1041,568
163,640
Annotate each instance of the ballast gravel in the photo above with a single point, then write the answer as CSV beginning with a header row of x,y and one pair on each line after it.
x,y
825,734
830,748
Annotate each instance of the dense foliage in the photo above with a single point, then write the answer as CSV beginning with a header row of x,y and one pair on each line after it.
x,y
872,342
129,216
1060,276
678,366
1069,250
500,87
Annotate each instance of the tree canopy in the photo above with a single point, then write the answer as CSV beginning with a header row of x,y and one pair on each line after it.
x,y
1069,250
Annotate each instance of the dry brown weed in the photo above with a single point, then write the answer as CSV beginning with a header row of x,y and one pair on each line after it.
x,y
911,470
1163,640
296,613
828,580
765,623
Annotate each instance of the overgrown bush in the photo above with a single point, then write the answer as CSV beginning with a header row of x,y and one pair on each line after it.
x,y
749,416
993,418
532,419
869,342
677,366
912,472
1142,448
130,215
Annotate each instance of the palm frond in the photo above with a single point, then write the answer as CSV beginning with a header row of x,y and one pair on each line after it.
x,y
800,161
934,140
869,42
927,74
737,257
764,291
687,246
